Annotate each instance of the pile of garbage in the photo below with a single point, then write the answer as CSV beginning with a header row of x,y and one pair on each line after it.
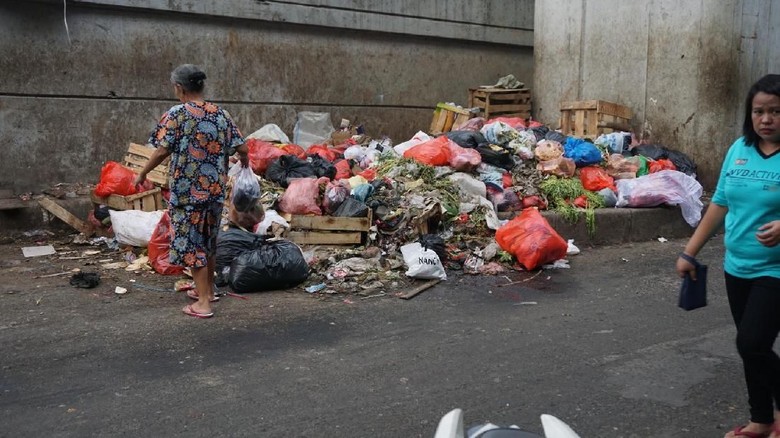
x,y
468,199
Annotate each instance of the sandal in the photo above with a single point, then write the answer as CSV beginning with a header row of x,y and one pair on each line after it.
x,y
192,293
188,310
738,431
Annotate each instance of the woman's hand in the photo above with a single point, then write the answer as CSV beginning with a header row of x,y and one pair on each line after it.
x,y
769,234
139,179
685,267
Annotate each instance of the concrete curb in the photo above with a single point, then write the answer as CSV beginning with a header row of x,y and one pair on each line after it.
x,y
613,225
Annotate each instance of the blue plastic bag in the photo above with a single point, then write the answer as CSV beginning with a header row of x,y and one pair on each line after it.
x,y
582,152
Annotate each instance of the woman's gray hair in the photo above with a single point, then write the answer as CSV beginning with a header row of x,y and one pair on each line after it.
x,y
189,76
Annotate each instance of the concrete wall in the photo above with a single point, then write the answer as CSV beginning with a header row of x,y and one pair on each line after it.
x,y
70,101
683,66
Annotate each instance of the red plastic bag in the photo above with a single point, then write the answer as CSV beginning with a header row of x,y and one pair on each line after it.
x,y
368,174
659,165
343,170
531,239
115,179
324,151
158,248
463,159
294,149
515,122
595,178
261,153
302,196
434,152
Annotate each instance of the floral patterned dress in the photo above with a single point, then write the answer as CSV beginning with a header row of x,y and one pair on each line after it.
x,y
200,136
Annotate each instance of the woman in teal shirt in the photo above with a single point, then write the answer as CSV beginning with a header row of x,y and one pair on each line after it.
x,y
747,202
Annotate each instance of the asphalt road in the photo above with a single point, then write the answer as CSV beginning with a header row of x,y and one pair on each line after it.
x,y
601,345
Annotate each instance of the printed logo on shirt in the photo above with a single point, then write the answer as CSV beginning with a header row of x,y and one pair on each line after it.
x,y
740,161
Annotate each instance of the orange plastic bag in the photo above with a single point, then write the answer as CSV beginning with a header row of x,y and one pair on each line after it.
x,y
324,151
595,178
294,149
158,248
343,170
659,165
261,153
115,179
434,152
531,239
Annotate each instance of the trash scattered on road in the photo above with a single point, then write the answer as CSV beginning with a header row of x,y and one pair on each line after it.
x,y
38,251
120,290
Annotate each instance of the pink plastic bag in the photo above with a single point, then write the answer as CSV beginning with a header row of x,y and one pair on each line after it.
x,y
463,159
302,196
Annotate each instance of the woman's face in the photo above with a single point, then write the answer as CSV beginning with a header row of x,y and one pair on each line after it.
x,y
766,116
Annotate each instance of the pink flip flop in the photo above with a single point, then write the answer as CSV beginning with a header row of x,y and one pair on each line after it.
x,y
192,312
192,293
738,431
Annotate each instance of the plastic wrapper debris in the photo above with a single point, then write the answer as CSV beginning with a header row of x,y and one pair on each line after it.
x,y
582,152
312,128
531,239
560,166
467,139
261,154
496,156
266,226
302,196
615,142
351,207
335,194
434,152
422,263
668,187
547,150
134,227
499,133
288,167
463,159
270,265
418,138
115,179
619,167
270,132
322,167
159,248
572,248
595,178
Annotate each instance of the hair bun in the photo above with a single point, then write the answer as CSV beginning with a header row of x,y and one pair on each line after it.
x,y
197,76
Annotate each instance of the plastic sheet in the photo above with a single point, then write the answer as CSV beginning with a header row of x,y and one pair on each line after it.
x,y
665,187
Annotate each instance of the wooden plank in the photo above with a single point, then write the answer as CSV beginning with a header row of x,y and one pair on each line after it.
x,y
11,203
143,194
64,215
144,151
324,238
499,108
579,123
580,105
329,223
6,193
417,290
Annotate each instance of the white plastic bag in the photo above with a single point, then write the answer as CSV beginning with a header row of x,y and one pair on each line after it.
x,y
270,132
418,138
312,128
422,263
134,227
665,187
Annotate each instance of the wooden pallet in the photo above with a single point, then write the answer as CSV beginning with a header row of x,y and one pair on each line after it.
x,y
591,118
328,230
495,102
137,157
147,201
448,118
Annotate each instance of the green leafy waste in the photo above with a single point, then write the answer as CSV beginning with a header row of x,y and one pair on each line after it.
x,y
561,192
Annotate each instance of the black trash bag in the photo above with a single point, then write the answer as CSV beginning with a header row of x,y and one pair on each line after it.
x,y
435,244
287,167
467,139
231,243
101,212
556,136
540,132
652,151
272,265
683,162
86,280
322,167
497,156
351,207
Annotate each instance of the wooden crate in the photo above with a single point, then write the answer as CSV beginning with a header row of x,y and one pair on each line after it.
x,y
147,201
447,118
495,102
137,157
591,118
329,230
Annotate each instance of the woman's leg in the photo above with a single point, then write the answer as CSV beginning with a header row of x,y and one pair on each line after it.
x,y
755,306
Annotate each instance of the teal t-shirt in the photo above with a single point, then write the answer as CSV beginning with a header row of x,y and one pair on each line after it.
x,y
749,186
